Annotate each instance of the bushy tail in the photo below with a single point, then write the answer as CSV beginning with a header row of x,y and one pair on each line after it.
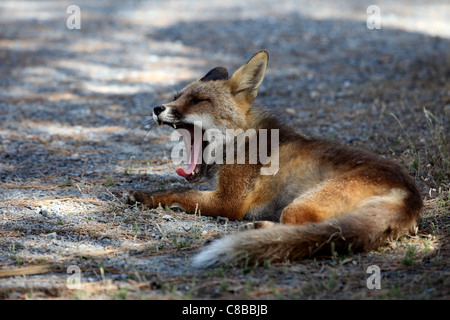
x,y
353,232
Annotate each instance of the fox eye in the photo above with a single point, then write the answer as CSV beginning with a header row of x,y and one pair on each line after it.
x,y
197,100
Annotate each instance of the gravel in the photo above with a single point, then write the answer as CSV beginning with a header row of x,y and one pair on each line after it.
x,y
74,103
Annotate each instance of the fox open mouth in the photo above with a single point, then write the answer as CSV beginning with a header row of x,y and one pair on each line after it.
x,y
194,146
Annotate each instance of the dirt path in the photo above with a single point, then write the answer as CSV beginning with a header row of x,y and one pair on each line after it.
x,y
73,107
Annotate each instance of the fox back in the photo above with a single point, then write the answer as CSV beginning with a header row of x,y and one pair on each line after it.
x,y
308,196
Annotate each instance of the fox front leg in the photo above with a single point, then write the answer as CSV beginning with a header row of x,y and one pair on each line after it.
x,y
155,199
209,203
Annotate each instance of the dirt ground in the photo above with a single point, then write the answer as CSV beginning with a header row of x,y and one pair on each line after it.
x,y
73,110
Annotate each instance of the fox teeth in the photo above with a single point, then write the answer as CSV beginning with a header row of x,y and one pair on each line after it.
x,y
175,126
192,173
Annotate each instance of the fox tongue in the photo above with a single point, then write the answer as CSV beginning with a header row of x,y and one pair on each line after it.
x,y
195,152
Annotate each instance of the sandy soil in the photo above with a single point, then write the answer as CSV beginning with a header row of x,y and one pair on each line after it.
x,y
73,108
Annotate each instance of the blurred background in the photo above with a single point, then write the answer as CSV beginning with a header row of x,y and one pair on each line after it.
x,y
330,73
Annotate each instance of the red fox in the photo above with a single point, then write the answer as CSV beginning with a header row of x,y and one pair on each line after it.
x,y
322,198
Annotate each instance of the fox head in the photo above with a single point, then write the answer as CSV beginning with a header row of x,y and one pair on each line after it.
x,y
215,102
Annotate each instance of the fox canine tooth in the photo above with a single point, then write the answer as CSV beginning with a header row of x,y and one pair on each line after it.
x,y
175,126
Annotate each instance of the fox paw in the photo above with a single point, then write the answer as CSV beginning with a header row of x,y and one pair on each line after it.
x,y
256,225
136,197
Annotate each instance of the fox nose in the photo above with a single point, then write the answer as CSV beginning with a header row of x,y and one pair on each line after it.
x,y
157,110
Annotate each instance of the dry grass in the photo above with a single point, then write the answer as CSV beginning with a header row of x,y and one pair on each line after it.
x,y
68,150
412,267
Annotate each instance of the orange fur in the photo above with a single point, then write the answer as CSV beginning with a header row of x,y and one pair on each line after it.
x,y
337,197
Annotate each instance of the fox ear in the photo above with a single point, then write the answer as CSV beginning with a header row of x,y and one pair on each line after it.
x,y
246,80
218,73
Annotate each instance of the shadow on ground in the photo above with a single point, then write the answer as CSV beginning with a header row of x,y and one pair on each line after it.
x,y
73,109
